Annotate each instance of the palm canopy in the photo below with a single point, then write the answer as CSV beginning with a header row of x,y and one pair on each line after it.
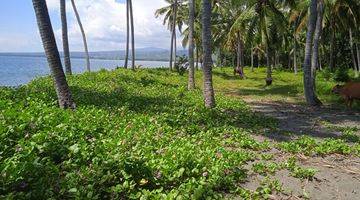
x,y
168,13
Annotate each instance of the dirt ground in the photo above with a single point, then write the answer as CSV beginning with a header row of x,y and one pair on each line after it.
x,y
337,176
302,120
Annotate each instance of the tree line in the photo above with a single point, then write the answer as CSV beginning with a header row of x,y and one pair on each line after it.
x,y
315,34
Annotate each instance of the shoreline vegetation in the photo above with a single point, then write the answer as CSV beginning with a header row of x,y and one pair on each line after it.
x,y
142,134
227,129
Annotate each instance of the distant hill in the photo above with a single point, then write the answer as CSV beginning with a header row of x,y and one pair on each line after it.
x,y
149,54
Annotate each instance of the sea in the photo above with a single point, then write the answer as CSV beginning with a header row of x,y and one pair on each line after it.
x,y
19,70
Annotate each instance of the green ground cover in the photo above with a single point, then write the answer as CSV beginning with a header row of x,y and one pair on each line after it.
x,y
143,135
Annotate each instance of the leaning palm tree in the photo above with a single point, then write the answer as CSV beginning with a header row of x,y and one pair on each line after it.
x,y
209,97
87,57
191,82
52,54
309,83
65,38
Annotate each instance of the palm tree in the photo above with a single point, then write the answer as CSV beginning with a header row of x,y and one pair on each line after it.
x,y
87,57
173,37
297,19
52,54
130,22
127,34
317,35
196,34
65,38
132,35
269,22
191,82
309,84
173,16
209,97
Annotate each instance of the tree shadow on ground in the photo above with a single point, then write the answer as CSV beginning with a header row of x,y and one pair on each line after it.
x,y
299,120
285,90
226,76
120,98
182,112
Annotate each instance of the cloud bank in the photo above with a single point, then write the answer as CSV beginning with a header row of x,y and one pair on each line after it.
x,y
104,22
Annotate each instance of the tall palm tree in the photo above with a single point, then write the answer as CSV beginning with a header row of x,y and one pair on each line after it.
x,y
87,57
132,35
127,34
309,84
52,54
269,22
191,82
196,34
317,35
65,37
209,97
173,16
173,36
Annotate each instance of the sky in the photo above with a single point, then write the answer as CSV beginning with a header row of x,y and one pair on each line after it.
x,y
104,22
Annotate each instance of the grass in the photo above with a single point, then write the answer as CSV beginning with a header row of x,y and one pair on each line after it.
x,y
286,86
140,135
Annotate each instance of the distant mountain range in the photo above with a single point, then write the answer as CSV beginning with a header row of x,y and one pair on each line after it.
x,y
148,54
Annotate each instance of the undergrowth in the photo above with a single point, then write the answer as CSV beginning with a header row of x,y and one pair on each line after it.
x,y
133,135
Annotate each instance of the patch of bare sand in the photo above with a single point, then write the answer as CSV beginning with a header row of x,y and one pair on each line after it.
x,y
337,177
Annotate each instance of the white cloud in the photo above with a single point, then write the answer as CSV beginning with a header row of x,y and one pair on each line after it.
x,y
104,22
17,42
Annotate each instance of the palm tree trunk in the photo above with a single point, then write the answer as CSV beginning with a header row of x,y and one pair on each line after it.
x,y
52,54
175,50
267,56
239,66
132,35
209,97
87,57
257,58
320,61
310,95
172,40
191,82
238,53
197,58
174,32
316,41
65,37
252,58
353,54
332,47
295,56
289,61
358,56
127,34
242,60
171,50
268,67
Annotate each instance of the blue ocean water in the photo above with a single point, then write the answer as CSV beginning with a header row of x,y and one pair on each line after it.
x,y
19,70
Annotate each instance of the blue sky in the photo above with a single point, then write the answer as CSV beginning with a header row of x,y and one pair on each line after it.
x,y
104,23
